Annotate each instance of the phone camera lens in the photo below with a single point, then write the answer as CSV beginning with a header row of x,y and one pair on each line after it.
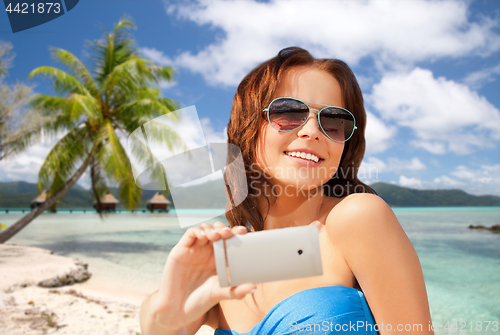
x,y
300,251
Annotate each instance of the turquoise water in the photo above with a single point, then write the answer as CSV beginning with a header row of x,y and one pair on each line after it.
x,y
461,266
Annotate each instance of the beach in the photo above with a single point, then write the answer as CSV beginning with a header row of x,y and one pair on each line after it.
x,y
30,305
125,254
42,292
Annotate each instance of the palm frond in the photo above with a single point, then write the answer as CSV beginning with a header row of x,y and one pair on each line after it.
x,y
99,182
78,70
148,108
116,48
124,23
62,160
130,77
117,166
161,134
63,82
111,154
73,107
129,193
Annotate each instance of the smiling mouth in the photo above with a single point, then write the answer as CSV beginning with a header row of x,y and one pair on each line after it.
x,y
304,156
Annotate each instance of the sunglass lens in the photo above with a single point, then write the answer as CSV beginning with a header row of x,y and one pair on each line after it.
x,y
287,114
337,123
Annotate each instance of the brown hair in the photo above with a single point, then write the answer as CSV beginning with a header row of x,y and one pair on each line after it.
x,y
255,93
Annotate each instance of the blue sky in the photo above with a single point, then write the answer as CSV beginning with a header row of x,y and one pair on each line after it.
x,y
429,71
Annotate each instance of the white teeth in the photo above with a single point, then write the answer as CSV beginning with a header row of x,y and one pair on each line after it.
x,y
303,155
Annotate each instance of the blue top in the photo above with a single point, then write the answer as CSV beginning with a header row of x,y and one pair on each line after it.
x,y
320,310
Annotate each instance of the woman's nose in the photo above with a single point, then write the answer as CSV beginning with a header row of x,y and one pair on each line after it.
x,y
310,128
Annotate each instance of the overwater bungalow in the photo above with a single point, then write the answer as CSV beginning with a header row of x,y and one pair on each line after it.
x,y
108,202
38,201
159,202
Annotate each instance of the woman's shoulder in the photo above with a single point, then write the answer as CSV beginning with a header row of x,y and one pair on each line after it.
x,y
359,213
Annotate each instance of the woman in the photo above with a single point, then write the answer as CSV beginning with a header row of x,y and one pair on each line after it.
x,y
301,170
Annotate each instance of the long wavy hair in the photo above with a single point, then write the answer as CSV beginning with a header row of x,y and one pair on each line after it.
x,y
254,94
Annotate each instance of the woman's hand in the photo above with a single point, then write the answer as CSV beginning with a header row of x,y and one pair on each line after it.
x,y
189,286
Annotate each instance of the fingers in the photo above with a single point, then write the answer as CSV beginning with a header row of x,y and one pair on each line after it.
x,y
204,233
239,230
219,225
208,232
190,237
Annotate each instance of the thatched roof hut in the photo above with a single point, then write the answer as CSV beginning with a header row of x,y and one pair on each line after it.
x,y
108,202
39,200
158,201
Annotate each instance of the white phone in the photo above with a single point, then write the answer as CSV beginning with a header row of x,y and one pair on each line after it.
x,y
269,255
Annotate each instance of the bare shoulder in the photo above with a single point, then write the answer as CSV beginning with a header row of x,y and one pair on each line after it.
x,y
364,222
358,214
381,258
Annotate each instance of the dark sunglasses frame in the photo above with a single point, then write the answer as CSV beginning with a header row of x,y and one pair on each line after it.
x,y
319,113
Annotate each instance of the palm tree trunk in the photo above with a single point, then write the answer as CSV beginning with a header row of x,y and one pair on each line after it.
x,y
23,222
98,205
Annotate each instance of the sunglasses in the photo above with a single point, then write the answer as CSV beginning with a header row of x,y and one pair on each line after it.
x,y
287,114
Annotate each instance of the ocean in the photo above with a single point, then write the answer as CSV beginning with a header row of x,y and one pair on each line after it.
x,y
461,266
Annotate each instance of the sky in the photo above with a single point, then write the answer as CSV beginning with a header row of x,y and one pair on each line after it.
x,y
429,72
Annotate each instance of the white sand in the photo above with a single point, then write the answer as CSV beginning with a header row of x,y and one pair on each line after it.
x,y
94,307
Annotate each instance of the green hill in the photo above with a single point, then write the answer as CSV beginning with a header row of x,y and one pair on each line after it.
x,y
397,196
19,195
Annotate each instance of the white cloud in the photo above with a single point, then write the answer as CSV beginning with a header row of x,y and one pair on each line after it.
x,y
377,134
396,165
392,32
444,115
25,166
370,168
482,180
410,182
156,56
477,79
447,182
434,147
212,135
165,85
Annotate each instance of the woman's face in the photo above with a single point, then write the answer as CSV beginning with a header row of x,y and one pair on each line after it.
x,y
274,147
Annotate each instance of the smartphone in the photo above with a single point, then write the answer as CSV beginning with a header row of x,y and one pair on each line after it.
x,y
269,255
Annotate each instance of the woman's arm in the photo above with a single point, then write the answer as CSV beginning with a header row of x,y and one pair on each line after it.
x,y
189,287
384,262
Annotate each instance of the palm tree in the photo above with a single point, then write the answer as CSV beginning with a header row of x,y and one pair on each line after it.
x,y
93,110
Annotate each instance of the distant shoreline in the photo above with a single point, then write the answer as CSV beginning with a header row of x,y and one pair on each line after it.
x,y
141,211
19,195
